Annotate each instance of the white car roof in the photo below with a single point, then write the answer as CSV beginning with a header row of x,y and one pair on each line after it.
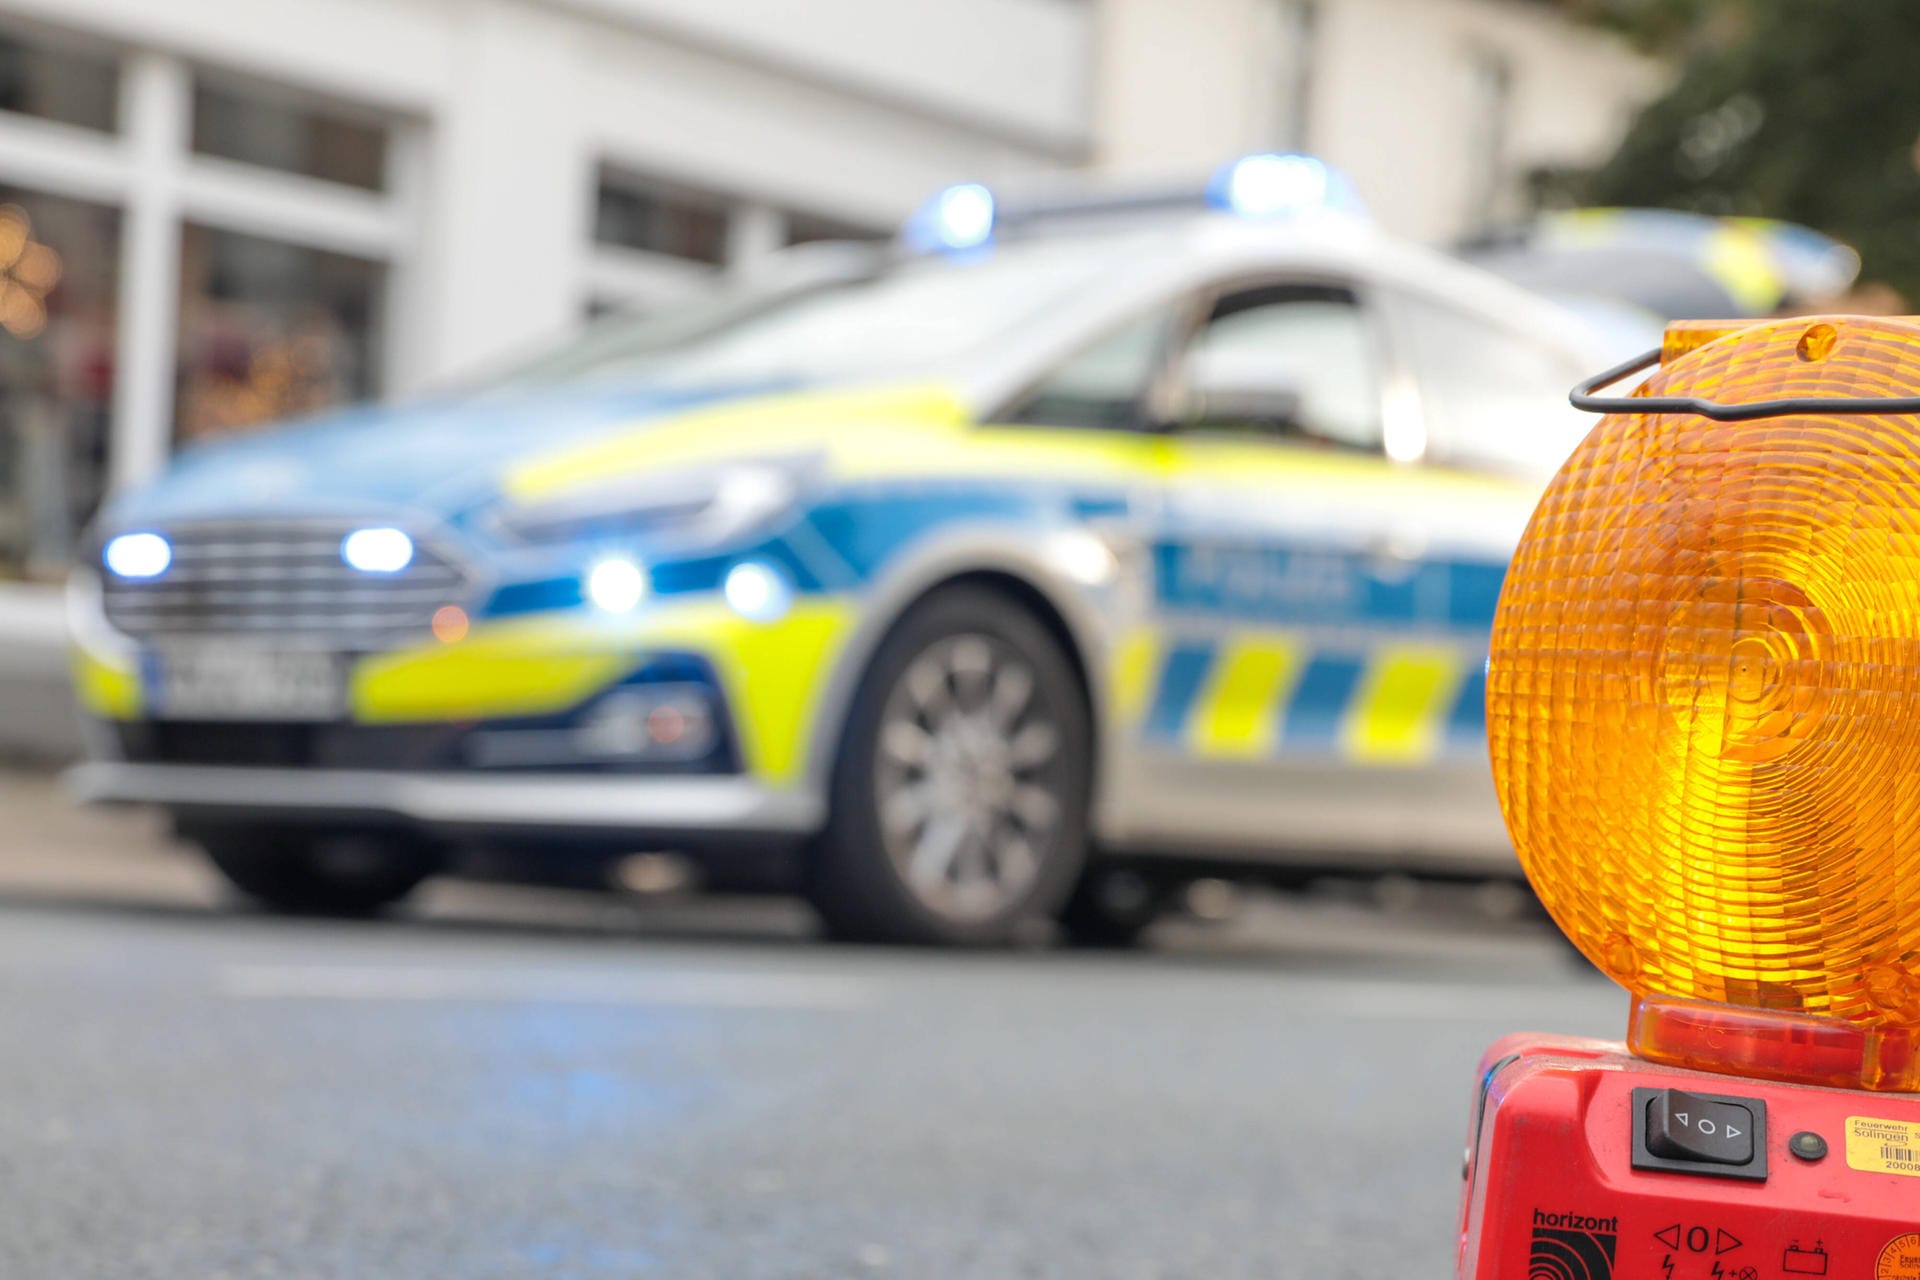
x,y
1166,257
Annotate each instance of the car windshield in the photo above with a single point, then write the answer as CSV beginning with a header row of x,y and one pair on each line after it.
x,y
917,313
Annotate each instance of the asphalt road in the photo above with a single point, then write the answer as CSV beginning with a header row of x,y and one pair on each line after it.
x,y
518,1083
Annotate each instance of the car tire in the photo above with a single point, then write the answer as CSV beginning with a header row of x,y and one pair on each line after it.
x,y
301,873
1112,907
958,808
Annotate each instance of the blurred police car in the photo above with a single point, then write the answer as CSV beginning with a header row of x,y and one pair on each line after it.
x,y
1053,540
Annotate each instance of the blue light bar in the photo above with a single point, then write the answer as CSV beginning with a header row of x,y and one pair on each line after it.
x,y
957,219
1272,184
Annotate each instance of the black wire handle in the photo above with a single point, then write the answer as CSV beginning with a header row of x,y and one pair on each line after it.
x,y
1583,398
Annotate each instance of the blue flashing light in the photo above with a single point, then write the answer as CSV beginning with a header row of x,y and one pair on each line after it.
x,y
1270,184
377,550
957,219
758,592
138,555
617,585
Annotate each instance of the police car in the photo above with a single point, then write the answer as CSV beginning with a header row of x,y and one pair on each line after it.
x,y
1053,541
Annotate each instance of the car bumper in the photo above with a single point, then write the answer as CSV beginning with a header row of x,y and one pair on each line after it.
x,y
529,803
513,694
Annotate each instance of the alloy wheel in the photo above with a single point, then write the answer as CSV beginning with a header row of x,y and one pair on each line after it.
x,y
967,794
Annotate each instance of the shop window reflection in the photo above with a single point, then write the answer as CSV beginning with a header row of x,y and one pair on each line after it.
x,y
58,265
270,331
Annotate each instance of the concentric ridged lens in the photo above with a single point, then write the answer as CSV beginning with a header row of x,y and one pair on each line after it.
x,y
1704,697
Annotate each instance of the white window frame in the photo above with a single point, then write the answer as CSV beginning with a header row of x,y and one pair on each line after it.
x,y
639,279
1295,58
645,279
149,172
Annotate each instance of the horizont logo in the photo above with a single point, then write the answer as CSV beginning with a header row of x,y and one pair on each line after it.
x,y
1572,1246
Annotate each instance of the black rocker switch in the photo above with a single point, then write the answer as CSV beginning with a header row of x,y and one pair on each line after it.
x,y
1685,1126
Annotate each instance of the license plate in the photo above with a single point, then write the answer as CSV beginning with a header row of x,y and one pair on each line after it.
x,y
244,682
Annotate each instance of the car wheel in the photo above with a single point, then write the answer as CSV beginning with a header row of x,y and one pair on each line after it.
x,y
1112,907
959,801
302,873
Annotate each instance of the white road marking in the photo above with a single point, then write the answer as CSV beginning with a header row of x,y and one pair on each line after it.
x,y
1317,997
692,989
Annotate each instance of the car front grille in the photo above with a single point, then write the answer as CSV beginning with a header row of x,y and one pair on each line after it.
x,y
267,745
283,579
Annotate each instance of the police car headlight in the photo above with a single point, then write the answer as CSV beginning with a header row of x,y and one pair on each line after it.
x,y
697,506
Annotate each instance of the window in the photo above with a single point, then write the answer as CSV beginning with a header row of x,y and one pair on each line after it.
x,y
1293,361
1104,385
269,330
263,326
257,127
805,228
58,263
1493,397
661,218
59,84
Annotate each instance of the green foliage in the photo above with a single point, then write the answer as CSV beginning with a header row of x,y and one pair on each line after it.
x,y
1807,110
1657,26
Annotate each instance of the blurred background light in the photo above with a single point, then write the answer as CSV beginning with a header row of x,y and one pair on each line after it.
x,y
965,215
377,550
28,273
450,624
139,555
617,585
758,591
1260,185
1084,557
960,217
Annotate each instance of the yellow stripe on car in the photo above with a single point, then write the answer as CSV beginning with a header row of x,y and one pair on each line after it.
x,y
774,675
1739,260
1135,664
521,667
770,673
852,425
1399,711
923,434
107,689
1246,693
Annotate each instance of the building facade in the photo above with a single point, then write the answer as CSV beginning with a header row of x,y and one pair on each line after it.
x,y
217,213
257,207
1438,109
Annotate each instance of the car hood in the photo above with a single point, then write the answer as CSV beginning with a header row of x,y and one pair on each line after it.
x,y
438,456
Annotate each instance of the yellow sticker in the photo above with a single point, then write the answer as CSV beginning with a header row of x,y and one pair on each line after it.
x,y
1883,1146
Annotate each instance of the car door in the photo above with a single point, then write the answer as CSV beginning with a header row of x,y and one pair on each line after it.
x,y
1318,687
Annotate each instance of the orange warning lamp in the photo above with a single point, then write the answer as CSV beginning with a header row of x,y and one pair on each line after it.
x,y
1703,701
1703,710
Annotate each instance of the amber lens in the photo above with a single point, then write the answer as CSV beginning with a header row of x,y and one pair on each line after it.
x,y
1704,697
